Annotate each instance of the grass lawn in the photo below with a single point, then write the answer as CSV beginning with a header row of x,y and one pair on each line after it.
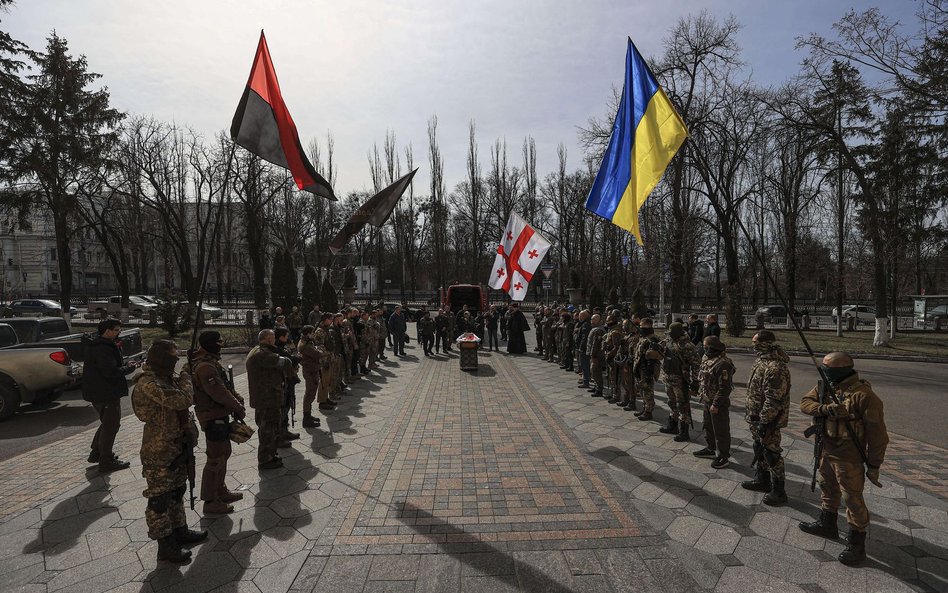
x,y
233,336
855,342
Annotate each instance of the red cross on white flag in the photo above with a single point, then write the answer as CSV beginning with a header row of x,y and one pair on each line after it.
x,y
518,256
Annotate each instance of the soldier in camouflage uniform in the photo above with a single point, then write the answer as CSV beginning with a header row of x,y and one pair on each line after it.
x,y
715,382
645,367
350,346
596,354
624,362
614,337
766,412
566,341
338,342
266,374
367,339
294,321
311,356
680,376
549,335
841,464
162,400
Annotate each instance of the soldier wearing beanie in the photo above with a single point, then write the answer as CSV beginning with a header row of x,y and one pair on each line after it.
x,y
715,382
680,375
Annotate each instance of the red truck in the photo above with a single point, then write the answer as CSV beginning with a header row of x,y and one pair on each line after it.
x,y
471,295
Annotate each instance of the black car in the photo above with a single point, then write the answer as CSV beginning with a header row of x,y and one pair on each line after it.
x,y
410,314
773,313
34,306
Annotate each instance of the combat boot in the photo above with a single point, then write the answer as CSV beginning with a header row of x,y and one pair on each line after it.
x,y
645,416
670,428
825,526
170,550
217,507
777,496
310,422
187,537
855,551
289,436
229,496
760,483
682,435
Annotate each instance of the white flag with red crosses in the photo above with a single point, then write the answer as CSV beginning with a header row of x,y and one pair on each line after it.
x,y
519,255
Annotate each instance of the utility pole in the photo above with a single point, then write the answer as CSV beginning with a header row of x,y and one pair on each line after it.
x,y
840,225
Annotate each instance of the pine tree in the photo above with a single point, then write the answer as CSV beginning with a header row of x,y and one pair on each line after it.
x,y
292,287
329,302
310,293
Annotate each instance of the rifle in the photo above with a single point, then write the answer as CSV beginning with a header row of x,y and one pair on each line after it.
x,y
230,378
187,457
817,429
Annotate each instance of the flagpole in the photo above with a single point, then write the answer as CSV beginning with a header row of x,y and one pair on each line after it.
x,y
214,237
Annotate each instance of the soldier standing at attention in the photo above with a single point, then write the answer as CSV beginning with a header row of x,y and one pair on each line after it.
x,y
324,341
767,411
375,331
538,326
294,321
614,336
595,353
214,403
314,316
644,368
566,343
625,362
266,372
715,382
338,361
680,375
549,335
841,465
162,400
311,355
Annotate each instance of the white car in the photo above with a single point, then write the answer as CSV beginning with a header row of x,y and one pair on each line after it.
x,y
861,313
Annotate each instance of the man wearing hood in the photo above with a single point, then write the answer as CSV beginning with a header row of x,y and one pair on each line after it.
x,y
766,412
841,465
214,403
162,400
715,383
680,376
104,386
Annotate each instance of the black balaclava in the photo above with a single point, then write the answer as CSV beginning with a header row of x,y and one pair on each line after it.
x,y
210,341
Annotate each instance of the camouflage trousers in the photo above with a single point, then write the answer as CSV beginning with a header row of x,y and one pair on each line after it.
x,y
679,403
626,385
312,379
768,449
549,348
337,373
165,488
268,432
595,367
566,354
844,479
646,388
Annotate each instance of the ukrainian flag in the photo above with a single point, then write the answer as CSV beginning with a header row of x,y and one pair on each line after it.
x,y
646,135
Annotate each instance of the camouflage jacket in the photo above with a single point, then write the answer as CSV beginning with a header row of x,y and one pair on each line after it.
x,y
644,367
594,342
566,343
163,404
336,342
294,320
374,330
612,341
313,351
213,397
348,336
266,372
681,361
629,347
864,410
715,381
549,328
768,389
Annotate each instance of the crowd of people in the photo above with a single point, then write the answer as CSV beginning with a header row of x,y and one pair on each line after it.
x,y
616,355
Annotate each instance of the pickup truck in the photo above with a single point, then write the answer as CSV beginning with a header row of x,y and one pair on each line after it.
x,y
137,307
52,332
30,373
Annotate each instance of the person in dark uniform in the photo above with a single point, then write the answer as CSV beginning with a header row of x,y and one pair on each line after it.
x,y
516,342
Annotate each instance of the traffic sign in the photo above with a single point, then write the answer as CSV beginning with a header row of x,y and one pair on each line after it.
x,y
546,273
547,285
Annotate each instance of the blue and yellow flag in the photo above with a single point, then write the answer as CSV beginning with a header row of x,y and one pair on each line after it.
x,y
646,135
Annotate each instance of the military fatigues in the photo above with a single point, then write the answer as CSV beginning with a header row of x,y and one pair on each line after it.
x,y
679,374
624,361
294,321
841,471
594,350
312,354
266,373
715,382
163,403
214,402
566,344
370,353
549,338
337,347
614,336
768,408
349,346
644,371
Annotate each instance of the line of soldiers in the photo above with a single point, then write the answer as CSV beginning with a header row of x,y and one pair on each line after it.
x,y
626,355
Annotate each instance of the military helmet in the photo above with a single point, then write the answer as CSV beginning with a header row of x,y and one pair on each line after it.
x,y
240,431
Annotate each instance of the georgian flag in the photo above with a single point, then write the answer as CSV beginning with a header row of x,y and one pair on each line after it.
x,y
519,255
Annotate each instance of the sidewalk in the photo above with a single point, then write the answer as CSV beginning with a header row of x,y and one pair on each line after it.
x,y
430,479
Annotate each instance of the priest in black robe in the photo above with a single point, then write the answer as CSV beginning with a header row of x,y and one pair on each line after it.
x,y
516,342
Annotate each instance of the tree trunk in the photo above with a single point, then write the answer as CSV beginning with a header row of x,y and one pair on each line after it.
x,y
881,337
733,309
61,226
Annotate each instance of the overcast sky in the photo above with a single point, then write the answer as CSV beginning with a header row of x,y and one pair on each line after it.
x,y
361,67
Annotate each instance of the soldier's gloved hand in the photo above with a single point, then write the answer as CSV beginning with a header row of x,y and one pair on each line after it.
x,y
763,428
241,413
872,474
829,410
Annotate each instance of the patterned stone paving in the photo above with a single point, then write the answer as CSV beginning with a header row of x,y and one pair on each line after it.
x,y
511,479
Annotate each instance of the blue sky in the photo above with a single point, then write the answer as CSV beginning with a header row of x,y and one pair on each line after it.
x,y
362,67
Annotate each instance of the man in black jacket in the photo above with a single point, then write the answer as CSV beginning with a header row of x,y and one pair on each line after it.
x,y
397,327
103,385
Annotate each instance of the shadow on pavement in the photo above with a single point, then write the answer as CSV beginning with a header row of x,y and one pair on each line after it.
x,y
521,577
66,523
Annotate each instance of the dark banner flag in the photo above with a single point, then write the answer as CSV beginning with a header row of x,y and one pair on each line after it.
x,y
263,126
375,212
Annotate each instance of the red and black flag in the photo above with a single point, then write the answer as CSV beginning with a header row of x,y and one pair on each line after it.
x,y
263,126
375,212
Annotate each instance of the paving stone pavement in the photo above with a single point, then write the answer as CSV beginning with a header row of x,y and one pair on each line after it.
x,y
431,479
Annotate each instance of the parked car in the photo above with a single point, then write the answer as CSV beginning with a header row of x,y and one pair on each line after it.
x,y
137,306
36,306
410,314
43,332
150,298
937,315
773,313
37,329
861,313
29,373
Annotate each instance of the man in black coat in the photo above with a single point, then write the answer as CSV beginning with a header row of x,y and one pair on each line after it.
x,y
695,329
712,328
397,327
516,342
104,385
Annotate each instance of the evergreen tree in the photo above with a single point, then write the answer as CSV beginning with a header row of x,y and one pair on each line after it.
x,y
328,301
56,140
638,303
292,286
595,296
614,296
310,293
278,289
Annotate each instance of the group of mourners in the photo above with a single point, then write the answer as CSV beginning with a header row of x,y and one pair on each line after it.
x,y
619,358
